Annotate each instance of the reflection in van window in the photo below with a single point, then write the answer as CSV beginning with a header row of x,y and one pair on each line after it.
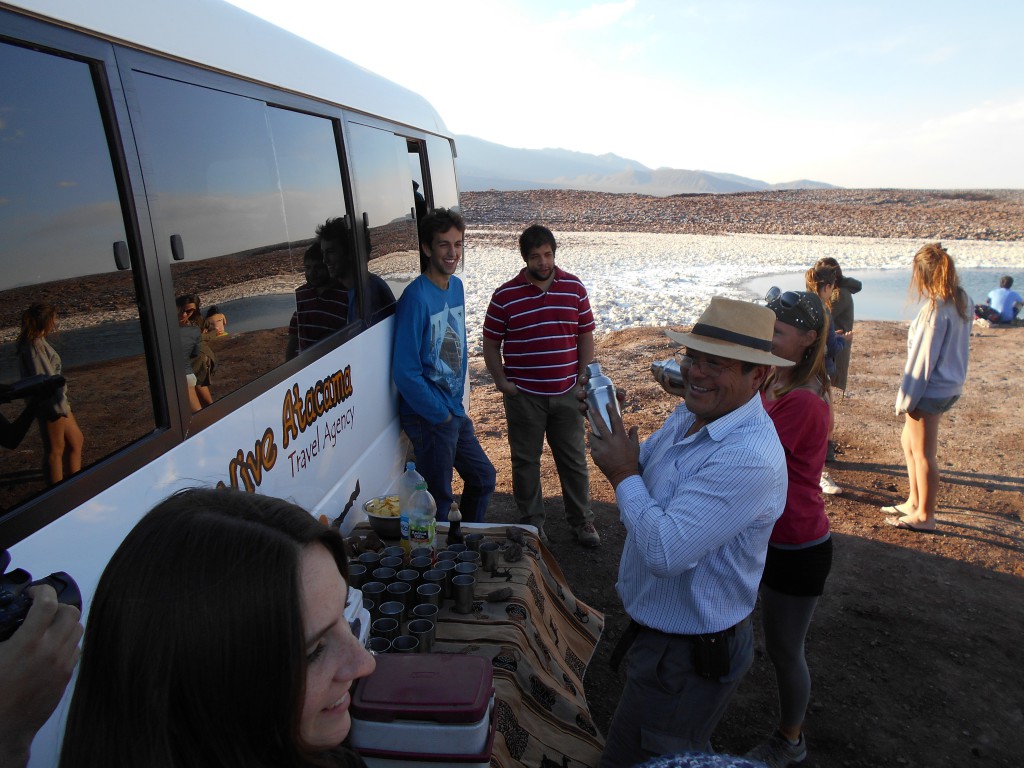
x,y
60,217
241,185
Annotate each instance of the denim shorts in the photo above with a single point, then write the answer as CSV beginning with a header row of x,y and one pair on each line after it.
x,y
936,405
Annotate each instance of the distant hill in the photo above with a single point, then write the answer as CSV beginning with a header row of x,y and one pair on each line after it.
x,y
484,165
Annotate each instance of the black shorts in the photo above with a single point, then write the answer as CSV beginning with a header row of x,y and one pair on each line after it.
x,y
798,571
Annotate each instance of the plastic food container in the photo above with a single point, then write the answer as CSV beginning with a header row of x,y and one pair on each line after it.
x,y
436,707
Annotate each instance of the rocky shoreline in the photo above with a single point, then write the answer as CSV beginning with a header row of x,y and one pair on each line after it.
x,y
907,213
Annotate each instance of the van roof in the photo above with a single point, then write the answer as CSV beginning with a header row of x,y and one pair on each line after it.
x,y
220,36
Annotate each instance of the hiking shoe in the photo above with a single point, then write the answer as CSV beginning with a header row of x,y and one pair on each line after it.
x,y
587,535
777,752
829,487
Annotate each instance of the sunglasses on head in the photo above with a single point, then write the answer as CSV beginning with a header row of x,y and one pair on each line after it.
x,y
796,308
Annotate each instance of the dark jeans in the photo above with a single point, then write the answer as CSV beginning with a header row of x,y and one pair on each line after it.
x,y
440,448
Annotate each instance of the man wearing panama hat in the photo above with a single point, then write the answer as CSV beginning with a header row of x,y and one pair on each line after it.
x,y
698,499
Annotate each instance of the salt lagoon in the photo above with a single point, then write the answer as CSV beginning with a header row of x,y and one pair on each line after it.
x,y
642,279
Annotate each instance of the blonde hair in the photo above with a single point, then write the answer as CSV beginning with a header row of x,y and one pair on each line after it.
x,y
935,277
821,275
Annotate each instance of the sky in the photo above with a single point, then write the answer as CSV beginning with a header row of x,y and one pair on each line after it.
x,y
890,93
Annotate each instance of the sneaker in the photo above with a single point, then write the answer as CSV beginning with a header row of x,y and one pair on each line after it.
x,y
587,535
829,487
777,752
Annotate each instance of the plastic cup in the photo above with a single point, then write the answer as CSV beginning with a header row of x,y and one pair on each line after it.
x,y
384,575
447,555
394,551
473,541
410,576
426,611
378,645
393,561
457,548
464,569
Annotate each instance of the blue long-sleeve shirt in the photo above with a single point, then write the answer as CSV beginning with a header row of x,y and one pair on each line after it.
x,y
429,358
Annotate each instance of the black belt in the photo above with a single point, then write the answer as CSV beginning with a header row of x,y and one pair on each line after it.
x,y
629,637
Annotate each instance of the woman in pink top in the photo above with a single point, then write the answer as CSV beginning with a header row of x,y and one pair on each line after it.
x,y
800,549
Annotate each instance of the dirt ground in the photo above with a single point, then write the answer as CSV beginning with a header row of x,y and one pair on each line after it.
x,y
915,648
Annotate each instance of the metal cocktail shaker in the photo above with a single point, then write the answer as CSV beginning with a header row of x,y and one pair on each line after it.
x,y
600,392
668,370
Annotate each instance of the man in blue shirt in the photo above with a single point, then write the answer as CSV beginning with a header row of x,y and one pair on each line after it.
x,y
1002,304
429,368
699,500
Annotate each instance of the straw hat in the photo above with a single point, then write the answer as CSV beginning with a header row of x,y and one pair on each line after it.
x,y
738,330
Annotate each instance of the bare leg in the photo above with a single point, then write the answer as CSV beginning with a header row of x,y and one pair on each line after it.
x,y
74,441
204,394
53,443
907,441
920,443
193,399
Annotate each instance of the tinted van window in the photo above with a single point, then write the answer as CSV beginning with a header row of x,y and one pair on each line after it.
x,y
60,218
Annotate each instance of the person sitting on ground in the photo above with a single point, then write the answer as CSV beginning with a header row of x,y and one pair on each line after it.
x,y
217,637
1002,305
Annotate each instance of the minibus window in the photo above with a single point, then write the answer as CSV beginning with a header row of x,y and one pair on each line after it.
x,y
61,224
244,185
442,173
385,203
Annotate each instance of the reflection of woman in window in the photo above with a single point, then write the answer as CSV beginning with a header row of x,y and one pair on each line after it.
x,y
62,438
191,335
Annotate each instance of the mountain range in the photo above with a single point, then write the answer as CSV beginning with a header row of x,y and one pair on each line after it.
x,y
484,165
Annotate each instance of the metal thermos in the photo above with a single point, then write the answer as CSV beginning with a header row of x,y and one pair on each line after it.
x,y
600,392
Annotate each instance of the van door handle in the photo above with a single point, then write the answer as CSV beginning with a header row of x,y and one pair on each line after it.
x,y
122,258
366,234
177,248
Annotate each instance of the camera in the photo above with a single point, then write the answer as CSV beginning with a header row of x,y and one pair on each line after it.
x,y
15,599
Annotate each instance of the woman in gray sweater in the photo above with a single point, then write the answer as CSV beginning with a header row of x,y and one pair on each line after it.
x,y
62,437
937,349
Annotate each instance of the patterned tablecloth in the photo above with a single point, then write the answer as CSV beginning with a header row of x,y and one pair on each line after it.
x,y
539,642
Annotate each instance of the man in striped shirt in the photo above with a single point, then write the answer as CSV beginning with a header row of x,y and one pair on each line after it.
x,y
698,500
541,324
321,305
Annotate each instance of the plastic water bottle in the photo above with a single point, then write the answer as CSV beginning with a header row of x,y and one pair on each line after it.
x,y
600,392
406,486
407,483
421,510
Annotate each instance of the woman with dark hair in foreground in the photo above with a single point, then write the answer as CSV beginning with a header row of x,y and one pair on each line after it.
x,y
217,637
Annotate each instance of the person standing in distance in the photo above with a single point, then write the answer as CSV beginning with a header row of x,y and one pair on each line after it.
x,y
541,323
699,500
429,368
